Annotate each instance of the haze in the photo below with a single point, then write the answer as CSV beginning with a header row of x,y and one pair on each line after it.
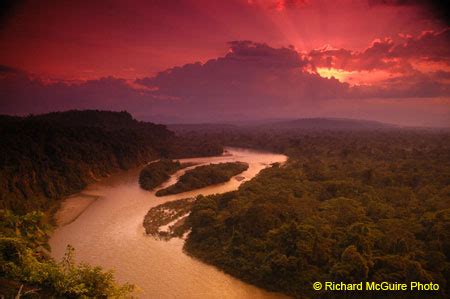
x,y
221,61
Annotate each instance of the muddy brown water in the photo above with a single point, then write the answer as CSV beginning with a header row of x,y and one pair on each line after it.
x,y
104,224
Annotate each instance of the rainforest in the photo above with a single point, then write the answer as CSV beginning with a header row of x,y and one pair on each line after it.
x,y
349,205
238,149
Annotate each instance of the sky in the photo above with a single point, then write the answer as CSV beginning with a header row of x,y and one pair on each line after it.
x,y
178,61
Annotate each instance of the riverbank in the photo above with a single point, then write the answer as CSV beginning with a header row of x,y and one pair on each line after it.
x,y
166,221
72,207
109,233
203,176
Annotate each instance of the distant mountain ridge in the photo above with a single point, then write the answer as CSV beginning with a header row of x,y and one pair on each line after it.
x,y
290,124
330,124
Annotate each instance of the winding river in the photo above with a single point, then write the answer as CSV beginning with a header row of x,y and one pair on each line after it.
x,y
104,224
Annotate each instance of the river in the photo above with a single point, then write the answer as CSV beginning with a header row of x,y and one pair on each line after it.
x,y
104,224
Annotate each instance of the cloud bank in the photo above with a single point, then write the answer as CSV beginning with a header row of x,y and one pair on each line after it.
x,y
255,81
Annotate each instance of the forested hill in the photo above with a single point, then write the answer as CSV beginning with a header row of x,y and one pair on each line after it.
x,y
299,125
347,207
327,124
94,118
46,157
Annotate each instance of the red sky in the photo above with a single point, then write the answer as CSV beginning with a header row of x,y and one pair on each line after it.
x,y
390,59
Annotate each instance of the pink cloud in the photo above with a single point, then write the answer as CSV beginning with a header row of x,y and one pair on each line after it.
x,y
21,93
385,54
253,80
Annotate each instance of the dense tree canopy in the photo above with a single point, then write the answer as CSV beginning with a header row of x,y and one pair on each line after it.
x,y
46,157
24,261
203,176
156,173
351,207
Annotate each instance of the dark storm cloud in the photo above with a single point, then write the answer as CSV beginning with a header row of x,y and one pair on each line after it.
x,y
250,75
430,45
386,54
417,85
261,55
255,76
21,93
253,80
374,57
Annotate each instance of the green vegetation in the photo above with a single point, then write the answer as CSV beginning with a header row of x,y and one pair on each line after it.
x,y
164,215
156,173
348,206
46,157
203,176
27,269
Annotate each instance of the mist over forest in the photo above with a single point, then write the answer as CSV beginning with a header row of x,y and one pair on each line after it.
x,y
225,149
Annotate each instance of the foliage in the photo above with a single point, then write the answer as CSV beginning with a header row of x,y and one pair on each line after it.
x,y
347,206
24,259
46,157
166,214
155,173
203,176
